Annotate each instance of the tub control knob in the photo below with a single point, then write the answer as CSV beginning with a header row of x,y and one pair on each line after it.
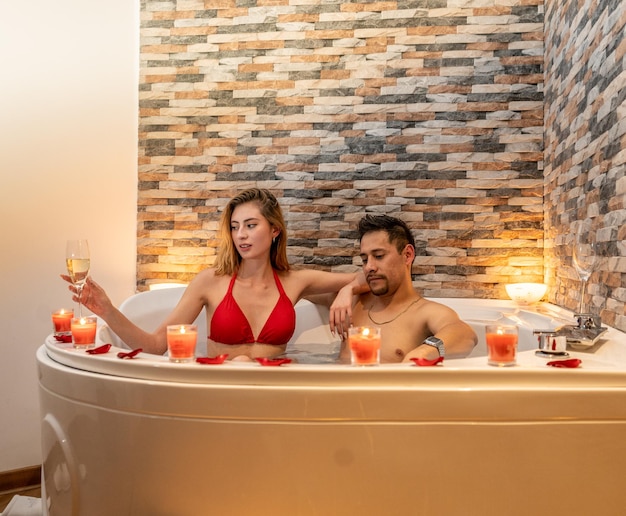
x,y
550,344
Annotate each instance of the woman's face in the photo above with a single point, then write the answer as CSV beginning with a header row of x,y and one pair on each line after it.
x,y
251,232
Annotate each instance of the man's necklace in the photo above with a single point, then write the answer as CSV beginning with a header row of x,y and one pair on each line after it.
x,y
369,314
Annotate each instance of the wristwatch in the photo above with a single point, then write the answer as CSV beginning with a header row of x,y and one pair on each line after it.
x,y
435,343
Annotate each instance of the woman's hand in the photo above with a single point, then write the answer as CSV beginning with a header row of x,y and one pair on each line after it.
x,y
93,297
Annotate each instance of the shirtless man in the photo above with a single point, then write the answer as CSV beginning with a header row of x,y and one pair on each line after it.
x,y
411,326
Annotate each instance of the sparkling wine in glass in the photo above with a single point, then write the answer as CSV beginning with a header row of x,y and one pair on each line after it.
x,y
78,262
584,255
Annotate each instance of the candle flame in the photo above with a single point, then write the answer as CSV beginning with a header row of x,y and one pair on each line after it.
x,y
83,320
182,329
365,332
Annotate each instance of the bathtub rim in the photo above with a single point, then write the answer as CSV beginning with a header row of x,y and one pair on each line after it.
x,y
531,372
604,364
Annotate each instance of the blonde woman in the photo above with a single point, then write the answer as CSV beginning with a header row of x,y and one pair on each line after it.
x,y
249,294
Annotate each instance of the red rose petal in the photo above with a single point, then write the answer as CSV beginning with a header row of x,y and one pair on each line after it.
x,y
129,354
273,361
219,359
570,362
100,350
424,362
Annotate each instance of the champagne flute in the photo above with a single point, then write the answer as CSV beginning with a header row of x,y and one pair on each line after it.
x,y
584,255
78,262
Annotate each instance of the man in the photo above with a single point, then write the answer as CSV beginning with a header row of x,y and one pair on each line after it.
x,y
411,326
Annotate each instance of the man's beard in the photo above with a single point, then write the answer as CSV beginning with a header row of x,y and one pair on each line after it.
x,y
382,290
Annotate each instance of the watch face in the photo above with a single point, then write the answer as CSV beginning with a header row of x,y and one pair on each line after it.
x,y
437,343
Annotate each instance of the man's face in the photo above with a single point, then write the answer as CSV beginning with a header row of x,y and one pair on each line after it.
x,y
384,267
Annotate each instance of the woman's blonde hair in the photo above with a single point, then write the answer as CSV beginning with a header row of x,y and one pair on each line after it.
x,y
228,259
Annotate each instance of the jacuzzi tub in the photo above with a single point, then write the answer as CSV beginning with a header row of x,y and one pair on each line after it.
x,y
149,437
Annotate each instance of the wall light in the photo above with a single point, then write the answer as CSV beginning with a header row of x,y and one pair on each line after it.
x,y
526,293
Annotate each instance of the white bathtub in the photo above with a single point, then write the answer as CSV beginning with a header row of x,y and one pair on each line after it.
x,y
149,437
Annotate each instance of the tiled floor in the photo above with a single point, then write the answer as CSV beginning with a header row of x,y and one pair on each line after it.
x,y
7,496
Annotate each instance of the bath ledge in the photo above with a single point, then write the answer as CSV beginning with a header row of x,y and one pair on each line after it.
x,y
474,372
603,364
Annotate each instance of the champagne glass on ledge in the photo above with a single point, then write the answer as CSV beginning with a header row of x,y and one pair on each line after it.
x,y
584,255
78,263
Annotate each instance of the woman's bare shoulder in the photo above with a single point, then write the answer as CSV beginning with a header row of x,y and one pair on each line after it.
x,y
207,278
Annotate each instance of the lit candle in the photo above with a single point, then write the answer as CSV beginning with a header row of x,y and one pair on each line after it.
x,y
62,321
501,344
364,345
181,342
84,332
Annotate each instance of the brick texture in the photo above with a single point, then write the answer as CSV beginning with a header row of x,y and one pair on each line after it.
x,y
431,111
585,160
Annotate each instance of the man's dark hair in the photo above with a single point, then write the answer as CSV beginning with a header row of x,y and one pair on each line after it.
x,y
397,231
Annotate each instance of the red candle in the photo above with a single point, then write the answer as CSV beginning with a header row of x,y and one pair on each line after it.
x,y
364,345
84,332
62,320
501,344
181,342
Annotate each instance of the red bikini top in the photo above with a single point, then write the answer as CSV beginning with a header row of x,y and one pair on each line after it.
x,y
230,326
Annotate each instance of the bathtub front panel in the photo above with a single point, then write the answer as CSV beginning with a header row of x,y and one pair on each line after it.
x,y
114,445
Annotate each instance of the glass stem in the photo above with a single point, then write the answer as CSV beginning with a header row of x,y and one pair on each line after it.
x,y
583,285
80,306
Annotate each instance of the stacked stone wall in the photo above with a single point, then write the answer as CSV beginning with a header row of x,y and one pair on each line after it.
x,y
585,156
430,110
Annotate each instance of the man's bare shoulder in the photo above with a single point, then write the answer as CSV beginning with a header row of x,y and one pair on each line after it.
x,y
432,308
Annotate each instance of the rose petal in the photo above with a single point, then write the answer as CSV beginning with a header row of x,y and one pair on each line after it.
x,y
219,359
129,354
63,338
100,350
273,361
424,362
570,362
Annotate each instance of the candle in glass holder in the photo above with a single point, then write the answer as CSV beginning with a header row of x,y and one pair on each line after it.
x,y
181,342
84,332
364,345
62,321
501,344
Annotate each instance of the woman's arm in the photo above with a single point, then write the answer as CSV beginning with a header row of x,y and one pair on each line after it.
x,y
337,291
95,299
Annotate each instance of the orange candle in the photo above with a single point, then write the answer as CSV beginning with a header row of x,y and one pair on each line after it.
x,y
501,344
364,345
84,332
181,342
62,321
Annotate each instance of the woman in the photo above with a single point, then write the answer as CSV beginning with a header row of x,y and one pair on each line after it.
x,y
250,293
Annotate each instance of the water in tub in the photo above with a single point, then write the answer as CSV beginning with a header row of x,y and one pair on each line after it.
x,y
474,312
526,320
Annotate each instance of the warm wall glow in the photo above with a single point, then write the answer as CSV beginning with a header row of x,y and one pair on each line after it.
x,y
160,286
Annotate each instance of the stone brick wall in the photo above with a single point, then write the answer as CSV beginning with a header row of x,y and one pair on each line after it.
x,y
585,156
429,110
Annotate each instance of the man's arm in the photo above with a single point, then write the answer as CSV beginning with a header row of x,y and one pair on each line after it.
x,y
443,323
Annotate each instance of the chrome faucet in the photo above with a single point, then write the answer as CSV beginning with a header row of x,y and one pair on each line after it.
x,y
586,332
583,334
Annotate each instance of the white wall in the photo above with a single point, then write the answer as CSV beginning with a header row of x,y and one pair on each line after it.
x,y
68,159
